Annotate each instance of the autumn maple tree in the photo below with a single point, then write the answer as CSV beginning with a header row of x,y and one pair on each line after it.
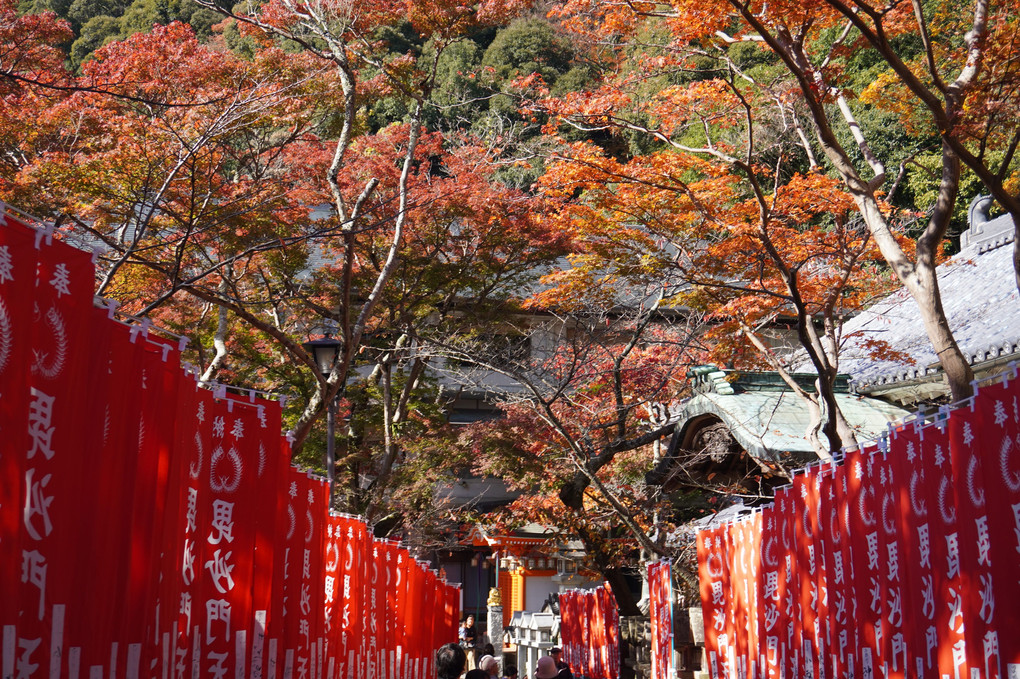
x,y
956,77
342,39
734,159
467,250
793,67
747,242
577,434
800,253
29,53
184,197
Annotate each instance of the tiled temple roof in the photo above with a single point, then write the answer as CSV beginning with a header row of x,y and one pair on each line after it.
x,y
979,294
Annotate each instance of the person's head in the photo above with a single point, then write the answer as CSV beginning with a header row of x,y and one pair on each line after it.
x,y
488,649
450,661
511,673
468,621
489,665
546,668
556,653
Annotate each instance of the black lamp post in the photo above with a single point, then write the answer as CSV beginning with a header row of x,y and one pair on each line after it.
x,y
324,352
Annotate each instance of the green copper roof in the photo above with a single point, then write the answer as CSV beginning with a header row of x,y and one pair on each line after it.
x,y
766,418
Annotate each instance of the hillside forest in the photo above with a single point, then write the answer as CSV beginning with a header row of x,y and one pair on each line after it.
x,y
444,187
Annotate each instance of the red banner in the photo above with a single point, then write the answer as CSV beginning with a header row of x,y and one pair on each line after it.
x,y
849,646
431,622
837,593
453,615
918,594
313,504
206,555
416,597
915,527
1000,439
224,542
115,388
577,640
711,567
660,611
389,639
567,634
770,596
159,380
580,636
174,599
592,627
895,652
730,579
597,635
51,532
742,590
612,632
17,287
975,542
374,578
863,502
332,551
353,594
319,508
805,522
756,610
787,624
272,466
945,553
404,621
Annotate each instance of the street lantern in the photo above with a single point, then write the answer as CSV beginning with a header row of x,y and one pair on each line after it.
x,y
324,352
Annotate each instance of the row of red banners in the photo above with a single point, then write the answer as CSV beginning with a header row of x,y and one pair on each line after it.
x,y
902,560
153,528
590,632
660,614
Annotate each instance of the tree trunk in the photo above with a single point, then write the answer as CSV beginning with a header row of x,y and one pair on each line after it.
x,y
222,327
959,375
846,432
625,601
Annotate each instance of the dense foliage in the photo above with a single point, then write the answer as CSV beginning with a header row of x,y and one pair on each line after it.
x,y
636,188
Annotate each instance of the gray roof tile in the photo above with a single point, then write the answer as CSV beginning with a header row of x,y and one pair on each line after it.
x,y
982,304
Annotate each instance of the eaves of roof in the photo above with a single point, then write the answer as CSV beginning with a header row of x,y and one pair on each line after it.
x,y
769,423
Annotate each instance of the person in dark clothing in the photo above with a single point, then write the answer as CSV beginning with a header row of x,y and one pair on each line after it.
x,y
562,667
450,661
476,674
557,655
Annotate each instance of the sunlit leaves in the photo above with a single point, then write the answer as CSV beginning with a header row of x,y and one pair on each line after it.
x,y
594,402
28,46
